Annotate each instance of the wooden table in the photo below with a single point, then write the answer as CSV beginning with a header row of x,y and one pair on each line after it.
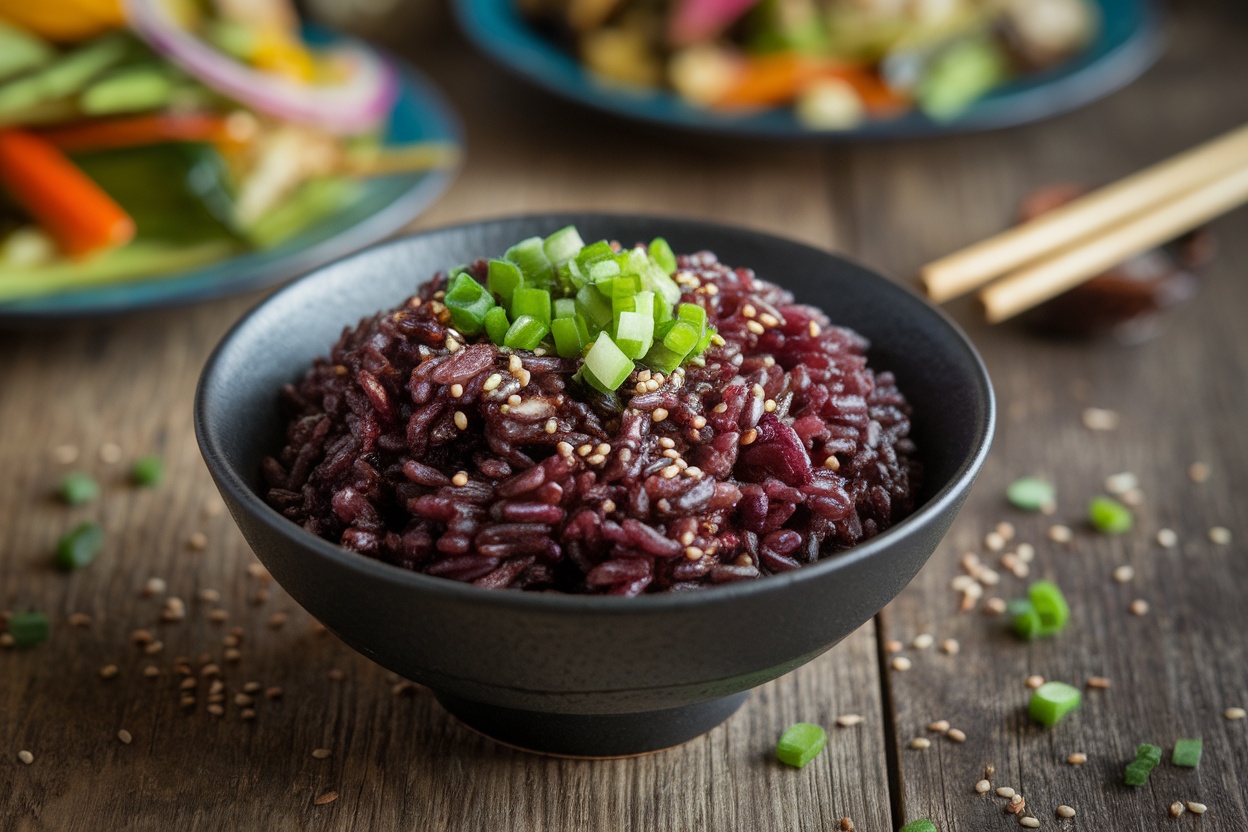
x,y
397,761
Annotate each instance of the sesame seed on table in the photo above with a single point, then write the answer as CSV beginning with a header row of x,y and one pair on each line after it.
x,y
177,672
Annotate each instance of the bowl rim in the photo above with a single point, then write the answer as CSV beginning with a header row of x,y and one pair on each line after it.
x,y
230,480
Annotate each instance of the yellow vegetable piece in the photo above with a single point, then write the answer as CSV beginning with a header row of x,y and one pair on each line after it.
x,y
64,21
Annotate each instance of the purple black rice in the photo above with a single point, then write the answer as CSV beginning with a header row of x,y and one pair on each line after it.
x,y
784,448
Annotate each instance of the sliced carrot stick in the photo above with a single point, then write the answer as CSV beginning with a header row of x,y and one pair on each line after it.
x,y
133,131
65,201
768,81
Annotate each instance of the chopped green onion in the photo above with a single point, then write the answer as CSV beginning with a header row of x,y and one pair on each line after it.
x,y
28,628
1187,752
1148,751
530,256
606,366
1026,619
1050,605
563,245
604,270
593,253
572,277
79,488
525,333
681,338
920,825
496,324
657,281
1109,516
800,744
565,308
634,261
626,285
532,302
634,334
469,303
504,278
567,335
1052,701
693,315
1031,494
663,255
595,308
641,303
704,341
1137,772
79,547
148,471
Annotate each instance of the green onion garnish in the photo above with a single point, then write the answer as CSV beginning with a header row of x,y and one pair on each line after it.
x,y
79,547
634,334
606,365
920,825
79,488
1052,701
1031,494
525,333
663,255
497,324
1109,516
564,245
530,256
1147,756
503,278
469,303
567,333
1025,619
532,302
1187,752
28,628
148,471
800,744
1050,605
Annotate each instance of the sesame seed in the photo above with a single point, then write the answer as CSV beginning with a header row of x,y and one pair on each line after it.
x,y
950,646
672,453
216,710
189,683
197,542
1026,552
1061,534
1196,808
596,459
983,787
995,606
460,479
1006,530
667,442
525,377
994,541
603,448
1220,535
1097,418
1235,713
151,671
1029,822
850,720
694,471
1005,791
719,408
1034,682
461,421
452,345
1198,472
231,654
640,387
125,736
770,406
988,577
893,646
1138,607
256,570
758,392
327,797
492,382
78,619
699,422
749,436
110,452
755,327
65,454
1065,811
1134,497
7,640
669,472
748,311
514,364
956,734
901,663
767,319
552,425
153,586
218,616
514,400
25,756
273,693
457,390
940,726
923,641
1177,808
277,620
1098,682
659,414
108,671
1123,574
564,449
961,583
608,506
693,553
920,743
1167,538
651,385
1077,759
847,825
321,753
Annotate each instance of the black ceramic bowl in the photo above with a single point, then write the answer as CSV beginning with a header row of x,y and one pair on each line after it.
x,y
580,675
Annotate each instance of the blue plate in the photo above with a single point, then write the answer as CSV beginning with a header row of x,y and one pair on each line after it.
x,y
383,206
1128,43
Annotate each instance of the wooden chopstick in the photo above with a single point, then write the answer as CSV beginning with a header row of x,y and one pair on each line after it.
x,y
1037,283
1085,217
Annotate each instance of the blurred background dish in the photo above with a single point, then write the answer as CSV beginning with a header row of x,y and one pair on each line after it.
x,y
845,69
170,152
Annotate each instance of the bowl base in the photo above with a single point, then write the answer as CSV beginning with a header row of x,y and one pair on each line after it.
x,y
591,736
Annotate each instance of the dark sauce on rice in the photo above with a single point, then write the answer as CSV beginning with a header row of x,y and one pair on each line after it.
x,y
471,462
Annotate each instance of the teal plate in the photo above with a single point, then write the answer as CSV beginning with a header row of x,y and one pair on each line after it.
x,y
383,206
1128,42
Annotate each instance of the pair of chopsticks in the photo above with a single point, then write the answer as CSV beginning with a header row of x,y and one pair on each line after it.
x,y
1064,247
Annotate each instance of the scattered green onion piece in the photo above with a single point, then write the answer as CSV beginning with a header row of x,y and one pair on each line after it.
x,y
693,315
534,303
634,334
1031,494
148,471
594,307
657,281
1025,618
800,744
563,245
1050,605
681,338
79,547
503,278
496,324
565,307
1148,751
530,256
469,303
567,335
525,333
78,488
1109,516
593,253
662,254
1052,701
1187,752
1137,772
28,628
920,825
606,366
